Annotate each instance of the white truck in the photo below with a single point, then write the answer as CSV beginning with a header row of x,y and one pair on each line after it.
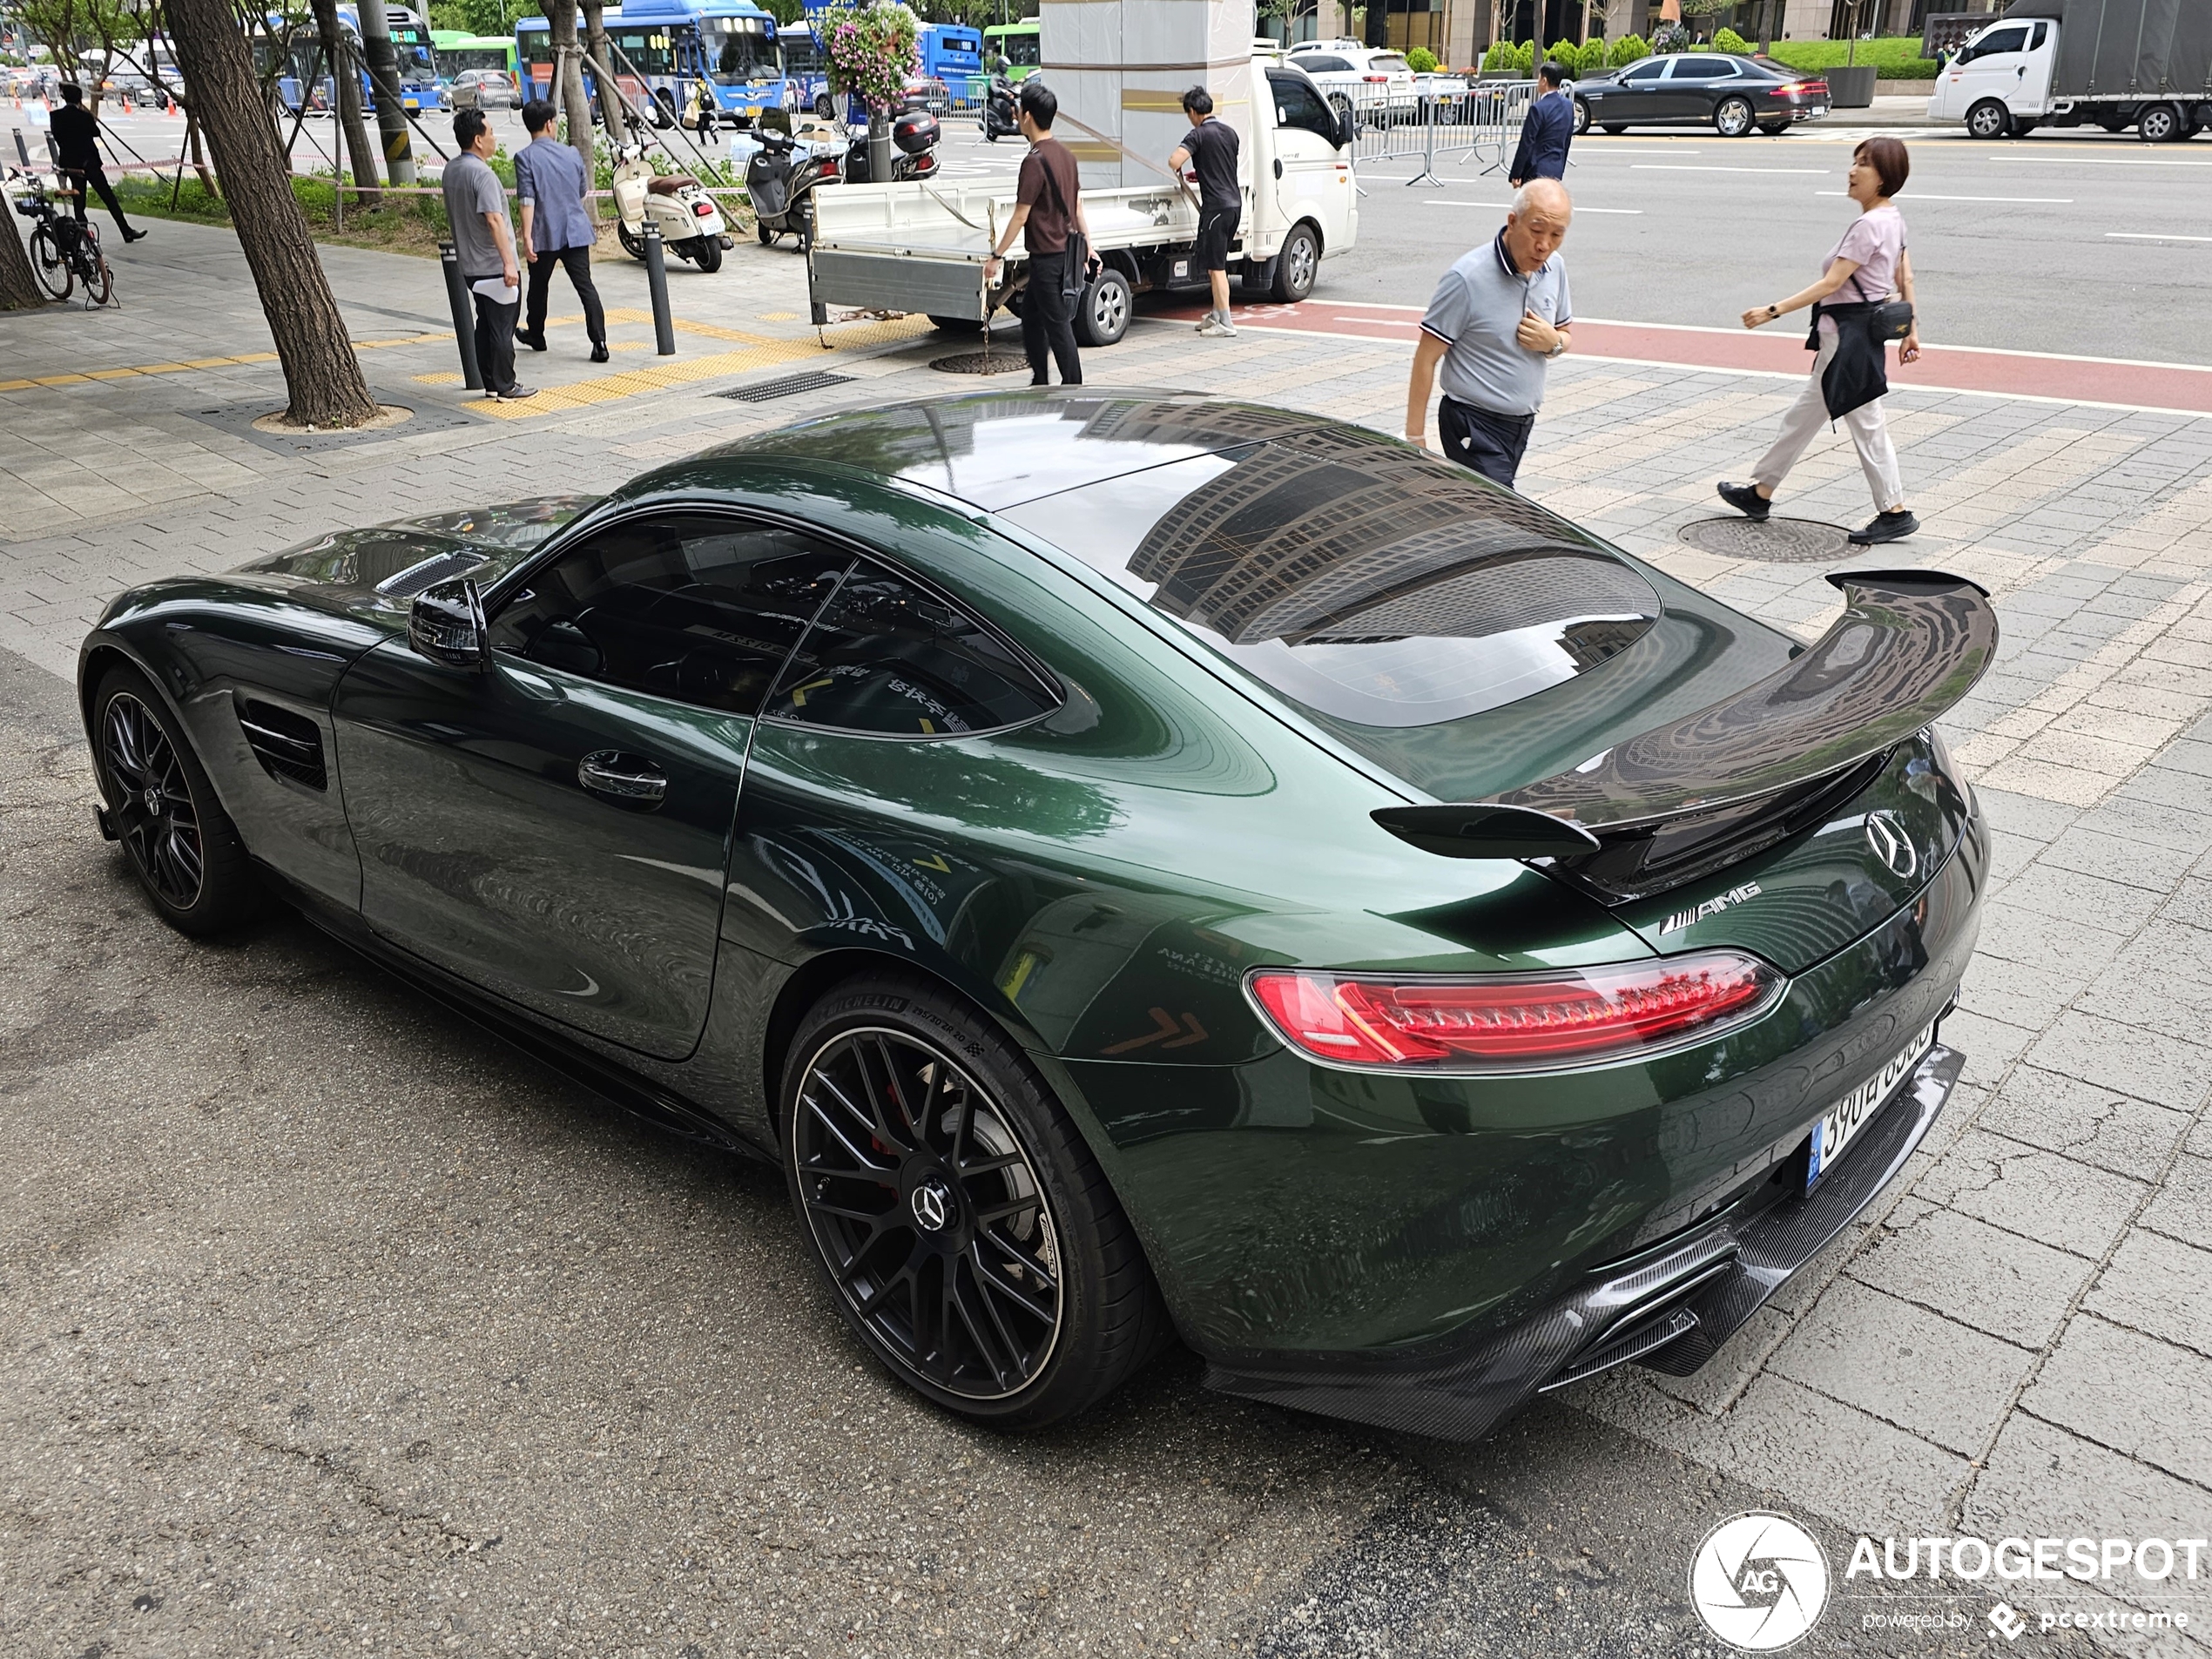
x,y
2113,63
920,246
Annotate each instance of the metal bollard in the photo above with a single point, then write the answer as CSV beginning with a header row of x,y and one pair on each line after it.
x,y
464,317
657,280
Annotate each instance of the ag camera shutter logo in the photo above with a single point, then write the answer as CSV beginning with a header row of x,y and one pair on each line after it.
x,y
1759,1582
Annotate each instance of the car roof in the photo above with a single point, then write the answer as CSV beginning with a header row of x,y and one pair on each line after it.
x,y
995,449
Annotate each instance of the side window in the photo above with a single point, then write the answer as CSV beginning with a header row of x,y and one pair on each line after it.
x,y
1702,69
700,608
1997,40
1297,104
1647,71
888,657
1320,65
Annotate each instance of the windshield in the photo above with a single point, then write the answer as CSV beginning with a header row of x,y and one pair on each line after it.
x,y
739,49
1387,64
1368,582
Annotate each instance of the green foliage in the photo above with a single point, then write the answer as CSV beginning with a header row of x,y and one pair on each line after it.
x,y
474,16
1897,57
1421,61
872,50
1627,51
1727,40
1499,59
1565,53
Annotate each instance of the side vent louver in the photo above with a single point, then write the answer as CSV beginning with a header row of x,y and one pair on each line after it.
x,y
288,746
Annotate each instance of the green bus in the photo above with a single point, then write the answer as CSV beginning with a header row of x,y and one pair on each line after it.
x,y
1018,43
457,51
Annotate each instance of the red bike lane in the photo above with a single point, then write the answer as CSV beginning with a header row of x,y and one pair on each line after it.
x,y
1778,349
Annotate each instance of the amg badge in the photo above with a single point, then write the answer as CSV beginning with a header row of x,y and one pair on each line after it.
x,y
1682,919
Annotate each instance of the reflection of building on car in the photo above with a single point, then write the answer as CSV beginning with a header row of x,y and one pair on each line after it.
x,y
1735,96
1146,868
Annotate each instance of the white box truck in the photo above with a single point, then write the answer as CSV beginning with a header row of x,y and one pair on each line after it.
x,y
920,246
2113,63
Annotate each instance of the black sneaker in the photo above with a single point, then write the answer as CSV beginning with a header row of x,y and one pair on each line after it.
x,y
1746,500
1885,527
536,342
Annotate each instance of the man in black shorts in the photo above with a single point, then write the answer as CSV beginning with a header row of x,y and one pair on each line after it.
x,y
1210,149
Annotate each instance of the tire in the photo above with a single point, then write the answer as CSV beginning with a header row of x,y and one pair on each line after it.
x,y
99,286
805,229
706,253
2161,123
632,244
184,848
663,112
824,108
1296,263
1039,1311
1989,119
1581,118
48,265
1774,129
956,325
1103,312
767,237
1614,129
1732,118
2021,128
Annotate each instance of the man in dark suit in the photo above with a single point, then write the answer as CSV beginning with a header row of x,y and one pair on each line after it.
x,y
1546,132
76,152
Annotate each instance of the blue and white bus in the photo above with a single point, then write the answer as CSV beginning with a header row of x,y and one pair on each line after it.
x,y
954,54
806,84
667,53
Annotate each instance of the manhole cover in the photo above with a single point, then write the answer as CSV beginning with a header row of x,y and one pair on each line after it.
x,y
1774,541
981,362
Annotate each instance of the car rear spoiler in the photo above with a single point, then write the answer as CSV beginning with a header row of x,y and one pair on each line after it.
x,y
1909,645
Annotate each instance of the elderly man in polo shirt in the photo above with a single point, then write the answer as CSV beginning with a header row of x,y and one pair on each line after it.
x,y
1499,316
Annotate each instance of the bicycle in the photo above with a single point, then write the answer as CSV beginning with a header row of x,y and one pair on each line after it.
x,y
64,250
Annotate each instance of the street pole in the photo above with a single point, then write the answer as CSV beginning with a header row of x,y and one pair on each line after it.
x,y
384,80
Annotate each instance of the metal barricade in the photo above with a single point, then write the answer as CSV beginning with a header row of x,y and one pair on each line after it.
x,y
1442,117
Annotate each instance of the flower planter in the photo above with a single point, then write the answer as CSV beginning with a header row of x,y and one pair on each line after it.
x,y
1851,88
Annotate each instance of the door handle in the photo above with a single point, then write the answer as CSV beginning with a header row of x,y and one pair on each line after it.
x,y
629,779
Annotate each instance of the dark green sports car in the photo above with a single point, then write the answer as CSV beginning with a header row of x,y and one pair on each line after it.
x,y
1147,867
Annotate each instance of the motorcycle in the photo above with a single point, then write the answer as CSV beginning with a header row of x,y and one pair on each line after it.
x,y
914,133
996,117
781,179
689,221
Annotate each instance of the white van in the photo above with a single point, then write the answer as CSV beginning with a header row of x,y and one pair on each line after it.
x,y
2077,63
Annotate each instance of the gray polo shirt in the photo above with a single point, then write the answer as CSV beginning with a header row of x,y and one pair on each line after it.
x,y
472,190
1474,311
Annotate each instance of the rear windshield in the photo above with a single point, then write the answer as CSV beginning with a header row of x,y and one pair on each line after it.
x,y
1358,577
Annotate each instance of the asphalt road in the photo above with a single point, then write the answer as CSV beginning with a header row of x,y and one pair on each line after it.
x,y
330,1324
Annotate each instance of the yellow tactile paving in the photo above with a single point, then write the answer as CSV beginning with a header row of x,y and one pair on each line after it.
x,y
128,370
444,377
608,388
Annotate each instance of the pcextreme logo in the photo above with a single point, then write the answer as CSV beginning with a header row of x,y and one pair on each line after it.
x,y
1759,1582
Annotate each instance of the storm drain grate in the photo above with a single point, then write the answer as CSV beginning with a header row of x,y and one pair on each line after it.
x,y
980,363
790,386
1773,541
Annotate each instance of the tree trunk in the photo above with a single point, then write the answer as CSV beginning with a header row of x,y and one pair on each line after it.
x,y
19,289
345,83
321,374
595,45
567,79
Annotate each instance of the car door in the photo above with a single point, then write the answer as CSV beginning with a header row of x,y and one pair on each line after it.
x,y
1311,180
1995,65
1637,100
554,830
875,741
1693,86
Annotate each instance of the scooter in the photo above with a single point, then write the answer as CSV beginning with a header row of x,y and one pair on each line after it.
x,y
689,221
996,117
781,179
914,133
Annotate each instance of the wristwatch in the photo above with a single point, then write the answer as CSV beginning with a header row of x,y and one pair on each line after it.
x,y
1559,347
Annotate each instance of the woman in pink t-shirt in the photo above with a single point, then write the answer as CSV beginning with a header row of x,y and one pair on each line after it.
x,y
1868,265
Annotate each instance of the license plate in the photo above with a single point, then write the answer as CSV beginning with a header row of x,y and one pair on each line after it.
x,y
1840,1125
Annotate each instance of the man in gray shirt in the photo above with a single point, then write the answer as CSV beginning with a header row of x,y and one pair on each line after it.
x,y
556,227
484,245
1497,317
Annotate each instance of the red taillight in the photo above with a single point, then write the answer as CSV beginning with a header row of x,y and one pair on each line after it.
x,y
1376,80
702,209
1804,87
1512,1021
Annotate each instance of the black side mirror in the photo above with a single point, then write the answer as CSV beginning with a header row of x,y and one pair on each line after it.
x,y
446,623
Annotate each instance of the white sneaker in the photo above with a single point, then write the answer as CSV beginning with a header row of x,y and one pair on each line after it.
x,y
1206,322
1218,327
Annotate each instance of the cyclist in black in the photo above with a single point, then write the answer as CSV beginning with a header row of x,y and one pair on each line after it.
x,y
76,150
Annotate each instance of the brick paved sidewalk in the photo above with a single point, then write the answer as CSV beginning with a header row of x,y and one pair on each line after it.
x,y
2019,1342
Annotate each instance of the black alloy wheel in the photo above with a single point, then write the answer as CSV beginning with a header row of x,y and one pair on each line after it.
x,y
968,1234
1732,118
181,843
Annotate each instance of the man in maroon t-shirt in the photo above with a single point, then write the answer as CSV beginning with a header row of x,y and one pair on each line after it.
x,y
1048,196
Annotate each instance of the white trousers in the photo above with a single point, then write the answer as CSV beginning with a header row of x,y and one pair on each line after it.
x,y
1869,432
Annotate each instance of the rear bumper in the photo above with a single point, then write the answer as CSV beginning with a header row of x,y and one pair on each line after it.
x,y
1670,1308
